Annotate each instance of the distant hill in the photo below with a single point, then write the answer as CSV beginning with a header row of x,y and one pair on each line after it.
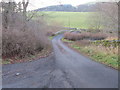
x,y
69,8
89,7
65,7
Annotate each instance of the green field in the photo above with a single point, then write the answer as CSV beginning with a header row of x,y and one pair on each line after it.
x,y
69,19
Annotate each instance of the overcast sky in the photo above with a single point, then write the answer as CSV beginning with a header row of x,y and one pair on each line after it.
x,y
34,4
44,3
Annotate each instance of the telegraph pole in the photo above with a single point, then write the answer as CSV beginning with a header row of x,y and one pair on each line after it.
x,y
69,21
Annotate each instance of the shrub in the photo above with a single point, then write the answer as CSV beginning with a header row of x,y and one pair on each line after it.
x,y
82,43
50,33
80,36
19,42
73,36
98,36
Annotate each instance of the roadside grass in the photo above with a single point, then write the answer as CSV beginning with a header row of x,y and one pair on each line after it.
x,y
44,53
112,38
96,53
69,19
65,40
99,56
51,37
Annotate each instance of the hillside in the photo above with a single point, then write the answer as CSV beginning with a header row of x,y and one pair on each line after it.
x,y
65,7
89,7
69,8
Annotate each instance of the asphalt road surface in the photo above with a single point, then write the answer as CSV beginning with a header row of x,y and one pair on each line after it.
x,y
65,68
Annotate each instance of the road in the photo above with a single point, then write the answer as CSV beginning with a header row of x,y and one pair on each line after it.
x,y
65,68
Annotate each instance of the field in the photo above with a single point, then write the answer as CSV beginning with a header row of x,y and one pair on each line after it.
x,y
69,19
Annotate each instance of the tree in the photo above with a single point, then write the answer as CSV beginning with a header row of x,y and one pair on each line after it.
x,y
107,16
25,5
10,10
118,4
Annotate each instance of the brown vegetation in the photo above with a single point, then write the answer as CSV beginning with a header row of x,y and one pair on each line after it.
x,y
106,18
80,36
23,43
22,36
105,54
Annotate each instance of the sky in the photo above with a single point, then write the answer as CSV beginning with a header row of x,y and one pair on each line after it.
x,y
44,3
35,4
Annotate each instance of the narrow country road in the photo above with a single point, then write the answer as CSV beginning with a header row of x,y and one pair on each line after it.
x,y
82,72
65,68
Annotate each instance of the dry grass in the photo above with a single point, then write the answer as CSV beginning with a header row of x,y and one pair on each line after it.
x,y
82,43
112,38
105,55
106,50
98,48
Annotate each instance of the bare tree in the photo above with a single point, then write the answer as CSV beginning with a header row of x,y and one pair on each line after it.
x,y
10,10
25,5
96,18
19,8
107,16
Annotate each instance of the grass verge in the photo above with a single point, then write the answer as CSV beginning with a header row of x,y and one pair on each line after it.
x,y
51,37
100,56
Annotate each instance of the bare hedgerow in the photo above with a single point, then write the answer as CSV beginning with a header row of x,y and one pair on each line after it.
x,y
98,36
76,36
17,42
22,35
86,35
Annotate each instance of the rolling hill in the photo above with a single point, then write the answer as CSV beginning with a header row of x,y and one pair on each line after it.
x,y
69,8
